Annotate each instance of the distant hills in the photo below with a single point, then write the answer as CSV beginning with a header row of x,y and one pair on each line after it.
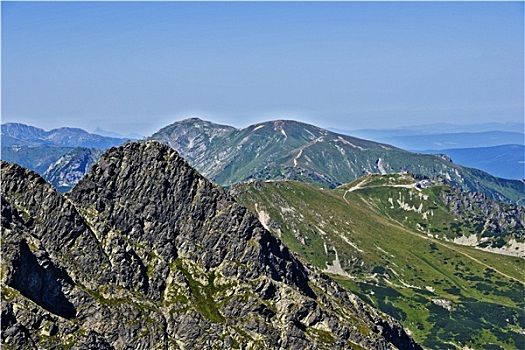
x,y
505,161
25,135
281,149
496,148
453,140
62,156
131,136
445,136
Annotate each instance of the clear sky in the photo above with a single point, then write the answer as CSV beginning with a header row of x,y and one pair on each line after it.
x,y
138,66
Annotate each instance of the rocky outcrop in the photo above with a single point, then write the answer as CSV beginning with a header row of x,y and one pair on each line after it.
x,y
499,227
145,253
497,218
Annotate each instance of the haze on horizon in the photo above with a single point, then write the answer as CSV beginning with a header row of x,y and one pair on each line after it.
x,y
138,66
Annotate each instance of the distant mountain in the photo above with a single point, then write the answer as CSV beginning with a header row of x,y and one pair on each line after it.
x,y
62,137
130,136
145,253
505,161
433,129
402,244
62,156
297,151
37,158
69,169
62,167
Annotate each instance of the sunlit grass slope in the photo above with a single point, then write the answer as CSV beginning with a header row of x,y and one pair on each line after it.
x,y
447,295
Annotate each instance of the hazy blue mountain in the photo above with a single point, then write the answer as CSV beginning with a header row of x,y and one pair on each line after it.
x,y
62,167
62,137
493,147
62,156
419,142
506,161
69,169
432,129
37,158
131,136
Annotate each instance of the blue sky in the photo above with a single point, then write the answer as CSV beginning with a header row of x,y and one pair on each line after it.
x,y
138,66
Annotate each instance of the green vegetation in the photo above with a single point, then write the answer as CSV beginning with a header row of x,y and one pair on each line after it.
x,y
203,295
447,295
324,336
426,210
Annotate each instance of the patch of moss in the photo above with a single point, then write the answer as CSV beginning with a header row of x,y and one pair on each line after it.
x,y
321,335
202,296
9,294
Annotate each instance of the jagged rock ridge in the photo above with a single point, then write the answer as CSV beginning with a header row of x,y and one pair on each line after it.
x,y
145,253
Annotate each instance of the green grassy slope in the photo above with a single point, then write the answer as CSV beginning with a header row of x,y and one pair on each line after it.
x,y
442,211
448,295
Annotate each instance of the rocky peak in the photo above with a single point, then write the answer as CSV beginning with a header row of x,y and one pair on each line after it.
x,y
145,252
142,191
192,138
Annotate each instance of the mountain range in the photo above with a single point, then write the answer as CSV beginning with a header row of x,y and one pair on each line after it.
x,y
271,150
145,253
62,156
144,250
445,136
291,150
496,148
17,134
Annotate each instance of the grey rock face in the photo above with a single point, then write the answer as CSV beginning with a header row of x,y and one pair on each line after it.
x,y
497,222
145,253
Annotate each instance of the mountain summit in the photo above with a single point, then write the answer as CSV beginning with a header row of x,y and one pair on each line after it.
x,y
146,253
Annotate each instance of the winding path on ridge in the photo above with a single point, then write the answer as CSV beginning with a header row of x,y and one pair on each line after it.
x,y
359,186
